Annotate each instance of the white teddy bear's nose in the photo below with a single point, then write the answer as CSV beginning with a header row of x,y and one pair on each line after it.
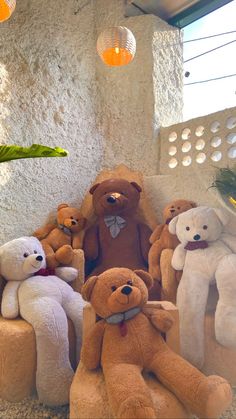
x,y
197,237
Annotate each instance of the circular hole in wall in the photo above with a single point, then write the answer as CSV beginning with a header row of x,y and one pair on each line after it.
x,y
199,131
172,136
232,153
186,161
173,163
186,133
231,138
215,142
216,156
200,144
215,126
231,122
172,150
201,157
186,147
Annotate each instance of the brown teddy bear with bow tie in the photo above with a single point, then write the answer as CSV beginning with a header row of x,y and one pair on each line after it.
x,y
59,240
127,339
118,238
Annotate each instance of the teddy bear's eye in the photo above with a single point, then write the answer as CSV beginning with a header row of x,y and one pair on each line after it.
x,y
178,208
26,255
71,218
205,227
187,228
35,252
113,288
130,282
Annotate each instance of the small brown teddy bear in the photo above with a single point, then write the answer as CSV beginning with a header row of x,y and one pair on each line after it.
x,y
127,340
59,240
162,239
117,238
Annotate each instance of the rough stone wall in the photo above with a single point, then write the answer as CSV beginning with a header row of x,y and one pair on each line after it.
x,y
55,90
48,95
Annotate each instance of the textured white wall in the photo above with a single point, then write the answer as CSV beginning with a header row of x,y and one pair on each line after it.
x,y
55,90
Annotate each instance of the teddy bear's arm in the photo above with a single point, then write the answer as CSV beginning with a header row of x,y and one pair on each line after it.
x,y
10,304
178,258
91,247
160,319
144,235
156,234
92,346
43,232
229,240
77,241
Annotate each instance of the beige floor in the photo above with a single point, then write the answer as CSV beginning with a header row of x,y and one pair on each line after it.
x,y
32,409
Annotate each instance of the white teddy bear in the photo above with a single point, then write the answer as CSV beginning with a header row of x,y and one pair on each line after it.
x,y
45,302
206,256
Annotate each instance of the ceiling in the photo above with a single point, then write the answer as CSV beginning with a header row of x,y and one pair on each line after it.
x,y
178,13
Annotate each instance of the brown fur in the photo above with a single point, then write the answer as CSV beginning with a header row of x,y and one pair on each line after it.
x,y
58,246
162,239
124,357
130,248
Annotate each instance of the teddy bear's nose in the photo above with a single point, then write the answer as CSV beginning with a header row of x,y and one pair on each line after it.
x,y
111,199
172,210
126,290
197,237
39,258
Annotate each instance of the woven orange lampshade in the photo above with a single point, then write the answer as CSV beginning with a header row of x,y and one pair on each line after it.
x,y
116,46
6,9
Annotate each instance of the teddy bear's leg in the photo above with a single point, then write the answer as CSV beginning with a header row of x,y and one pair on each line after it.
x,y
191,301
225,316
50,255
73,305
207,397
168,276
154,260
54,373
65,254
128,393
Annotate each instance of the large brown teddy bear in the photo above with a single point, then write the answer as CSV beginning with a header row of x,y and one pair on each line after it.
x,y
59,240
127,340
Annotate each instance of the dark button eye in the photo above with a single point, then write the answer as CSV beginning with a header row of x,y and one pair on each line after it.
x,y
35,252
130,282
187,228
71,218
113,288
26,255
205,227
178,208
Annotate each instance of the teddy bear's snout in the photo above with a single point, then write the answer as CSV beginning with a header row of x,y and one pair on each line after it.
x,y
39,258
126,290
197,237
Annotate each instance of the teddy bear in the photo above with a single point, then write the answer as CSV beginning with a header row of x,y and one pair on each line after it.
x,y
59,240
44,300
206,257
127,339
162,239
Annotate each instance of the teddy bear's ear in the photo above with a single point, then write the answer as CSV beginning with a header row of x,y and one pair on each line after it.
x,y
136,186
145,276
87,288
62,206
172,225
93,188
222,215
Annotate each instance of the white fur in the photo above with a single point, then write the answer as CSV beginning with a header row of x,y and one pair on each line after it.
x,y
201,268
45,302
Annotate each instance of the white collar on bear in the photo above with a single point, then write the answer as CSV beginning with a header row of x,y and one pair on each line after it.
x,y
121,317
115,223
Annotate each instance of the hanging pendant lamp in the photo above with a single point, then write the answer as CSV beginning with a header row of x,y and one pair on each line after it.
x,y
116,46
6,9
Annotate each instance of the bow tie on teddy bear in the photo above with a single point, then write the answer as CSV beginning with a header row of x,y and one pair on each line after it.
x,y
115,223
202,244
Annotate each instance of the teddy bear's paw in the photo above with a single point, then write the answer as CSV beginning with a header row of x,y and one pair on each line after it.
x,y
54,389
217,393
155,272
67,273
65,254
51,261
136,408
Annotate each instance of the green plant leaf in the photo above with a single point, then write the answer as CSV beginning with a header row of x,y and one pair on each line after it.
x,y
225,182
14,152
